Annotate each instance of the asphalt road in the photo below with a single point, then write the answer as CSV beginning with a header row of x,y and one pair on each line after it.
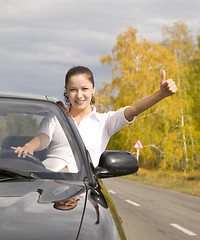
x,y
151,213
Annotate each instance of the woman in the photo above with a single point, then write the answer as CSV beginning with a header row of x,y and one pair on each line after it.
x,y
95,128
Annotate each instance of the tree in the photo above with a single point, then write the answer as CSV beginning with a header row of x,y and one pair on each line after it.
x,y
193,91
136,70
178,40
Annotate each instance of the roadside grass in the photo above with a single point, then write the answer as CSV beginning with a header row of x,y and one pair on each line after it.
x,y
179,181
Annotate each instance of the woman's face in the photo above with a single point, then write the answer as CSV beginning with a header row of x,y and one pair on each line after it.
x,y
79,91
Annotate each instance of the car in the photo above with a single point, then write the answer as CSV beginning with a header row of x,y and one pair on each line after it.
x,y
37,203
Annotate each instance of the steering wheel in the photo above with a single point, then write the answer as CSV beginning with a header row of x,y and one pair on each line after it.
x,y
9,153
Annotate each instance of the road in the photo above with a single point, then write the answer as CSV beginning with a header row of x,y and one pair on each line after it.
x,y
152,213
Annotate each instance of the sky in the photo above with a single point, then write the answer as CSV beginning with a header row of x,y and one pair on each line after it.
x,y
40,40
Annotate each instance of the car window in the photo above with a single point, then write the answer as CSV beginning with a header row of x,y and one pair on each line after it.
x,y
21,120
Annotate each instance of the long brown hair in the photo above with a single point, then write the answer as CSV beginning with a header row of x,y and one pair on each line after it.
x,y
63,106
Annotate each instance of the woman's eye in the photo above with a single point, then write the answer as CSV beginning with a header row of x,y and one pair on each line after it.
x,y
72,90
85,89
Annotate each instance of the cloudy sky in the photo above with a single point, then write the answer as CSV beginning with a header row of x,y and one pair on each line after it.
x,y
41,39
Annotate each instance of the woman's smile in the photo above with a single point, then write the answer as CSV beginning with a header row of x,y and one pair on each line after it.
x,y
79,102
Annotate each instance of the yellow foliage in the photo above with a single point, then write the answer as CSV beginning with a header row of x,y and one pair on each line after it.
x,y
136,68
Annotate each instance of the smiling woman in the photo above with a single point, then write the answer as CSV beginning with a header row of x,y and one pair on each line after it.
x,y
95,128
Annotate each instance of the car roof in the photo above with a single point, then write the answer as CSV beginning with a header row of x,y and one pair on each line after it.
x,y
4,94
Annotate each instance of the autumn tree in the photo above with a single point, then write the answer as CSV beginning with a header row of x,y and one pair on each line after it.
x,y
193,92
136,67
179,41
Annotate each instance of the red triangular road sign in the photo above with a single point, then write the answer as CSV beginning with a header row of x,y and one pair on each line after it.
x,y
138,145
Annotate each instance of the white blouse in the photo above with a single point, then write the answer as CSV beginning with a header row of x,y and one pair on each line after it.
x,y
96,129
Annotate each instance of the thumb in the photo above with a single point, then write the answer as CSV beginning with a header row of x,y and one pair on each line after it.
x,y
163,76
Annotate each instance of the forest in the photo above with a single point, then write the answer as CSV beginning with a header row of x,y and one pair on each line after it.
x,y
170,130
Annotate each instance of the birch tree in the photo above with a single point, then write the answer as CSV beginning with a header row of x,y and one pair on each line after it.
x,y
178,40
136,67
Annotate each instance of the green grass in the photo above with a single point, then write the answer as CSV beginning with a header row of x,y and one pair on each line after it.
x,y
183,182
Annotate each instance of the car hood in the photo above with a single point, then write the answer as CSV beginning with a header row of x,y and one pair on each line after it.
x,y
27,209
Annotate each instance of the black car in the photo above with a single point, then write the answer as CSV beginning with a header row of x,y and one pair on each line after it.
x,y
36,203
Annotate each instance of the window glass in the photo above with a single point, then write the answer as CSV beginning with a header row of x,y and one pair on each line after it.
x,y
21,120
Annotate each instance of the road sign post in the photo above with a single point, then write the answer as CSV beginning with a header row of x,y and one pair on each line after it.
x,y
138,145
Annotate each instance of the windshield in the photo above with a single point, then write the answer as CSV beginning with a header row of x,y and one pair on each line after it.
x,y
21,120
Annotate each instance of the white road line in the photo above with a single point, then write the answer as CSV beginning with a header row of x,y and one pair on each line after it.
x,y
183,229
121,197
133,203
111,191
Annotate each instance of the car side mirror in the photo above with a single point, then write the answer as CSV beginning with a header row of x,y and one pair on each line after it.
x,y
116,163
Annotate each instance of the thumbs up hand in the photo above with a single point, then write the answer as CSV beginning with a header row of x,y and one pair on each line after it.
x,y
167,87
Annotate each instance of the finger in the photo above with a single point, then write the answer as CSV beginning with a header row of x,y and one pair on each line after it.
x,y
19,150
172,89
163,76
25,153
16,149
170,84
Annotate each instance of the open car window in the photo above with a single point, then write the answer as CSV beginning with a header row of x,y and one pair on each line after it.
x,y
21,120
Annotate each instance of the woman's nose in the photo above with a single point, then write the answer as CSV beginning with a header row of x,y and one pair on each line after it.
x,y
79,94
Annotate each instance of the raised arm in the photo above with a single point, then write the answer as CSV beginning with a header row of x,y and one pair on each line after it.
x,y
38,143
167,88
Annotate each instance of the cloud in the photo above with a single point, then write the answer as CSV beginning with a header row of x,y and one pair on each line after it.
x,y
40,40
